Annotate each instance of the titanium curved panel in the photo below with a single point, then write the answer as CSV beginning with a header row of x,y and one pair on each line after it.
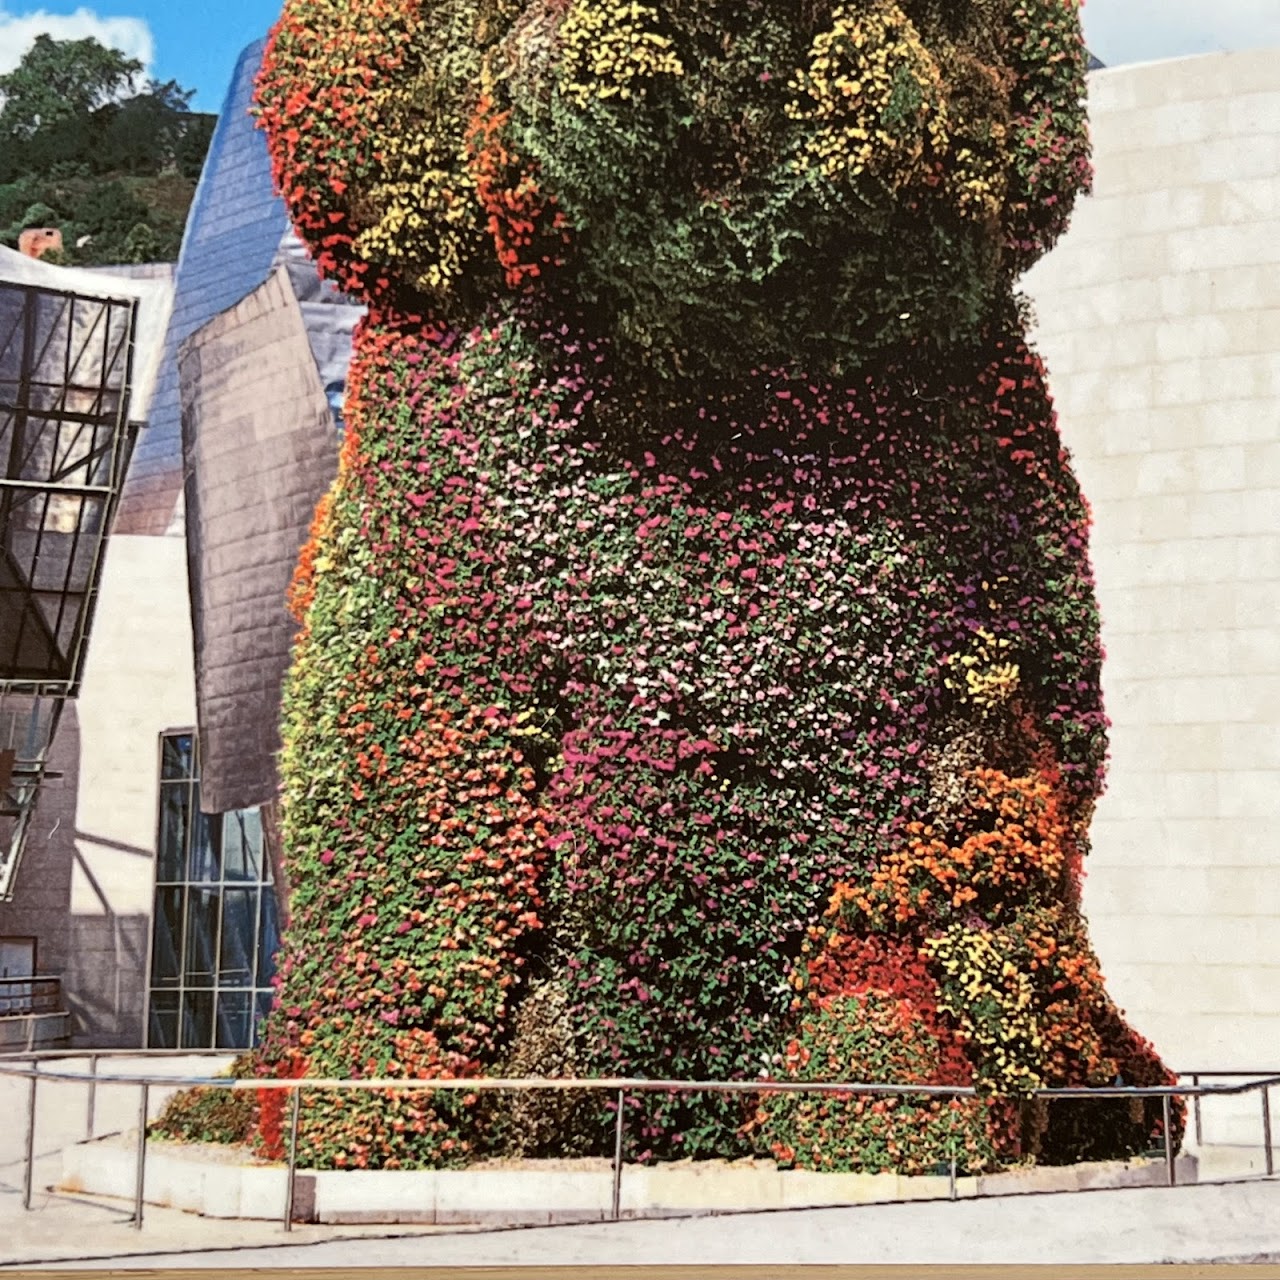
x,y
261,449
233,233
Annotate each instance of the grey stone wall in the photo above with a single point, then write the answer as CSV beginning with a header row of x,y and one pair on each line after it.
x,y
1159,318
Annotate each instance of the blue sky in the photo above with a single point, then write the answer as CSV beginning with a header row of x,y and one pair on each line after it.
x,y
196,43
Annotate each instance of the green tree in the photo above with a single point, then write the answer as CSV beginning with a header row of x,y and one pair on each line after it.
x,y
193,145
143,244
152,131
169,94
111,166
57,79
48,118
16,198
107,215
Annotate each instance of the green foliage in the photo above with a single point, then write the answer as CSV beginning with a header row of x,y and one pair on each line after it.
x,y
37,215
141,132
877,1038
142,244
119,220
80,152
208,1115
192,144
704,564
110,211
61,80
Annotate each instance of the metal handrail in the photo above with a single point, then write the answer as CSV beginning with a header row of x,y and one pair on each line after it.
x,y
621,1085
1271,1071
632,1084
160,1055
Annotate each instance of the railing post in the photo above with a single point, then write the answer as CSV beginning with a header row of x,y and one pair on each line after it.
x,y
1195,1106
1170,1169
29,1175
955,1195
1268,1159
91,1116
91,1110
295,1100
617,1157
141,1173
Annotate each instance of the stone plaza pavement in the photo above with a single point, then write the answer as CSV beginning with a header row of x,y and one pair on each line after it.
x,y
68,1227
1224,1223
1234,1221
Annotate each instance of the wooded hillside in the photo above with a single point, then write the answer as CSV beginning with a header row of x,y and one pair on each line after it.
x,y
83,149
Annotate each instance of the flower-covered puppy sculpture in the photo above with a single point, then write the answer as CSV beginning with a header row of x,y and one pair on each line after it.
x,y
698,674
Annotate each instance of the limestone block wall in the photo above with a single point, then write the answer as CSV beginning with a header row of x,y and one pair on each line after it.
x,y
86,884
1159,317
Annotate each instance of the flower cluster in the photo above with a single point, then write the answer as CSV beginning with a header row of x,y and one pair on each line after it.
x,y
612,49
992,1000
868,1011
871,1037
699,664
368,108
1013,839
1027,996
528,235
1048,132
988,682
901,159
611,692
877,99
416,841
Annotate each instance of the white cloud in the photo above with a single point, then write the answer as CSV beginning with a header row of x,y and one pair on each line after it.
x,y
19,30
1120,31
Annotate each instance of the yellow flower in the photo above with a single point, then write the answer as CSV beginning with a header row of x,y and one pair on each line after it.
x,y
611,49
875,94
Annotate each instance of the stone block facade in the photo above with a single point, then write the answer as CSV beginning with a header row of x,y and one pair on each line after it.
x,y
1159,318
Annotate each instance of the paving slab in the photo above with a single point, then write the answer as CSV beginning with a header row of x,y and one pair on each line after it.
x,y
1237,1222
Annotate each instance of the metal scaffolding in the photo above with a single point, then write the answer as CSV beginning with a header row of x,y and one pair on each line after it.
x,y
66,365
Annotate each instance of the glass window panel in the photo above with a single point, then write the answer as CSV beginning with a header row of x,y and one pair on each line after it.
x,y
205,864
216,928
268,939
239,922
175,807
197,1020
242,845
263,1002
175,756
203,910
166,941
162,1031
235,1020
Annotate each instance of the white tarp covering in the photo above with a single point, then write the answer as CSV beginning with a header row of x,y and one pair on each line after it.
x,y
155,301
